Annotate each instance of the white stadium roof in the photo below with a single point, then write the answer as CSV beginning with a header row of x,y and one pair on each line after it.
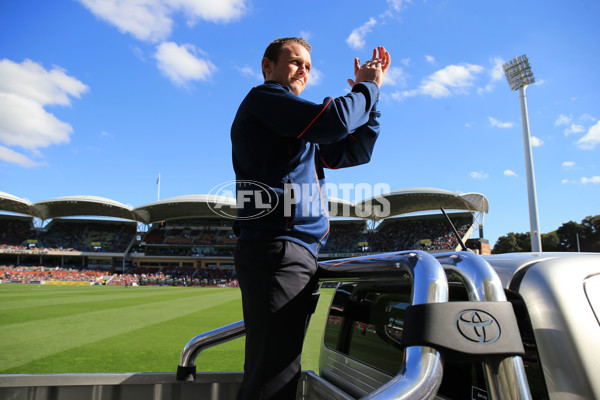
x,y
428,199
15,204
191,206
399,202
83,205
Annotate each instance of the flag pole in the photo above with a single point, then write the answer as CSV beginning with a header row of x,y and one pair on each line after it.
x,y
158,182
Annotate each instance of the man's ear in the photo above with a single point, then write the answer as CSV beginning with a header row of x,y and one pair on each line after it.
x,y
267,66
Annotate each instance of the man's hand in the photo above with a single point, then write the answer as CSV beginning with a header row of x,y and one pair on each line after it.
x,y
373,70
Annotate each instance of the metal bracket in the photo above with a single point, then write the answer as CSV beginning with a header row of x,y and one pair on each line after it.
x,y
465,330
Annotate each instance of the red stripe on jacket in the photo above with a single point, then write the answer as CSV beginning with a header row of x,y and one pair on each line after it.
x,y
313,121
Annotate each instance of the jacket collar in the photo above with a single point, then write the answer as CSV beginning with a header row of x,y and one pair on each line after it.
x,y
277,83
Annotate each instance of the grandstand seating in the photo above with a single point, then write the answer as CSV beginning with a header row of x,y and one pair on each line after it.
x,y
395,234
65,234
197,238
346,237
426,233
14,231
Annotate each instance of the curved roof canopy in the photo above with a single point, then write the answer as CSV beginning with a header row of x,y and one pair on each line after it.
x,y
15,204
408,201
209,206
191,206
83,205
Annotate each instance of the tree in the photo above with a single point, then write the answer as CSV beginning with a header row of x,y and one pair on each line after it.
x,y
591,225
570,236
591,233
512,243
551,242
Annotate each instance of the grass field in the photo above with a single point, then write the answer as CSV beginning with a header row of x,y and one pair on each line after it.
x,y
72,329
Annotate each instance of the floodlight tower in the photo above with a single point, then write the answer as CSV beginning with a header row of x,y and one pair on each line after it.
x,y
519,75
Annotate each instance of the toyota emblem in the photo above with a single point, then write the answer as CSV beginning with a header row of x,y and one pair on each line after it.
x,y
478,326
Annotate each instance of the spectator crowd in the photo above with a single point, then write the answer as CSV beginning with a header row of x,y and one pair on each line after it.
x,y
172,277
195,238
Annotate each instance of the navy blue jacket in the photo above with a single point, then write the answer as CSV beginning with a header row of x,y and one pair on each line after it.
x,y
280,145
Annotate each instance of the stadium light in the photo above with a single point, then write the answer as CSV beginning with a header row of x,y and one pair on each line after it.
x,y
519,75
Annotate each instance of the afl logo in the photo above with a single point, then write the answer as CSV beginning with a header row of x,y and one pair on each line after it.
x,y
478,326
256,197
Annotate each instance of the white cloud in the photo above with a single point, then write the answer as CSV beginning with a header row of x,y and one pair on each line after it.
x,y
306,35
453,79
566,119
32,81
573,129
593,180
148,21
591,138
396,5
562,120
478,175
496,74
13,157
398,95
430,59
587,118
26,124
500,124
356,40
315,77
139,53
568,164
25,89
536,141
251,73
151,20
509,172
210,10
181,65
395,76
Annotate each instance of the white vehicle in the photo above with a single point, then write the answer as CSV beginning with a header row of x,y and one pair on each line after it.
x,y
410,325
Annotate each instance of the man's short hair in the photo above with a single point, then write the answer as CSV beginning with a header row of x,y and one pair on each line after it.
x,y
274,48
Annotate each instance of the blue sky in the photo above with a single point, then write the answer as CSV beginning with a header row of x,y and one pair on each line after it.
x,y
99,97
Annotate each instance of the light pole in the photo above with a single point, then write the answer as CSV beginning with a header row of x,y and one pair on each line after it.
x,y
519,75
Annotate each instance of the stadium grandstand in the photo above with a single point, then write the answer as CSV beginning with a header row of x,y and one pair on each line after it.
x,y
183,241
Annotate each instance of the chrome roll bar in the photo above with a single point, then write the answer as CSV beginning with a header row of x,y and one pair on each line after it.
x,y
506,378
186,371
422,373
